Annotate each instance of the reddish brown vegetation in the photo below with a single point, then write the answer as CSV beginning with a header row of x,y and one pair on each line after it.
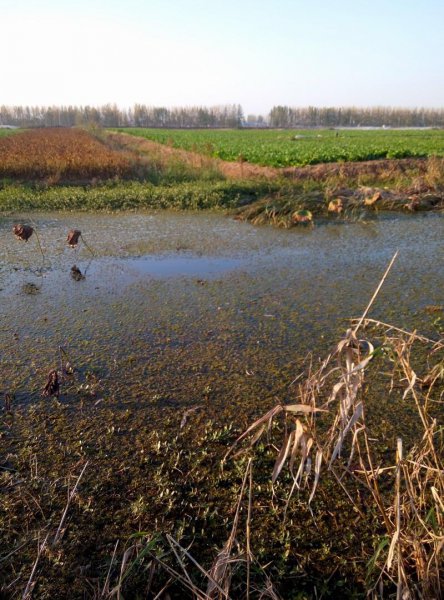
x,y
52,387
73,237
59,155
23,232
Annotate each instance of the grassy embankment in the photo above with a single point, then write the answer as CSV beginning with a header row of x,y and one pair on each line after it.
x,y
70,170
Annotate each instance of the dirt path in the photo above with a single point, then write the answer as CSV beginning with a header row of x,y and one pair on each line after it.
x,y
237,170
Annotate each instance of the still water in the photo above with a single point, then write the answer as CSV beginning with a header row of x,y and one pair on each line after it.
x,y
171,297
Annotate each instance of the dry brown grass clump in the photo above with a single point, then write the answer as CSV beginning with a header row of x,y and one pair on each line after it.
x,y
327,430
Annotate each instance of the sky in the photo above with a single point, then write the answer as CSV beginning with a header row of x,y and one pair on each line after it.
x,y
257,53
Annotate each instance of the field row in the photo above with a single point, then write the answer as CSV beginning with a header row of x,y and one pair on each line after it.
x,y
285,148
60,154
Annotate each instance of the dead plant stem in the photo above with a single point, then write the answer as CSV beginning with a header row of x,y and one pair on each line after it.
x,y
373,298
65,512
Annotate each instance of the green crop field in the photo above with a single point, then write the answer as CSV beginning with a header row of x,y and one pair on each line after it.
x,y
4,132
285,148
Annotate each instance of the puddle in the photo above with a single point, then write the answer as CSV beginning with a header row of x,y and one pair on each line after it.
x,y
181,266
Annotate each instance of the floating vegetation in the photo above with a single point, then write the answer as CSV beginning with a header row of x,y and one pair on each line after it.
x,y
66,366
155,396
8,401
30,288
404,494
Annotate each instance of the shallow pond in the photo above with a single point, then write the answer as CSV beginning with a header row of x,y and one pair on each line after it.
x,y
185,329
177,306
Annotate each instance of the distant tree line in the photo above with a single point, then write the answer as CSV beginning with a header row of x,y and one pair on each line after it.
x,y
224,116
379,116
110,115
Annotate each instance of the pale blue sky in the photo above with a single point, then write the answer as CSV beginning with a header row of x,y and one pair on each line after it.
x,y
254,52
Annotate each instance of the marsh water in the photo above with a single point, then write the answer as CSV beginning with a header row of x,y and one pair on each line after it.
x,y
178,307
184,330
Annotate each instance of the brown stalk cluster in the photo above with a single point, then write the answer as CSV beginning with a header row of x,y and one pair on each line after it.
x,y
409,556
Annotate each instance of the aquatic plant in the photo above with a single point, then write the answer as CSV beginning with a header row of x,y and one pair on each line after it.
x,y
157,516
76,273
24,232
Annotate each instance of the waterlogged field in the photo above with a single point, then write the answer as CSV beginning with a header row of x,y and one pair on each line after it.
x,y
285,148
186,329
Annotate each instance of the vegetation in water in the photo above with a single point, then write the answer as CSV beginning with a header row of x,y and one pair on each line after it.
x,y
176,467
101,499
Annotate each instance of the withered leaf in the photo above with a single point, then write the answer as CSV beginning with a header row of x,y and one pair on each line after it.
x,y
52,387
23,232
73,237
76,273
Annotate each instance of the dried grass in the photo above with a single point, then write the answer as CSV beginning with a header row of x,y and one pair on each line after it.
x,y
409,557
